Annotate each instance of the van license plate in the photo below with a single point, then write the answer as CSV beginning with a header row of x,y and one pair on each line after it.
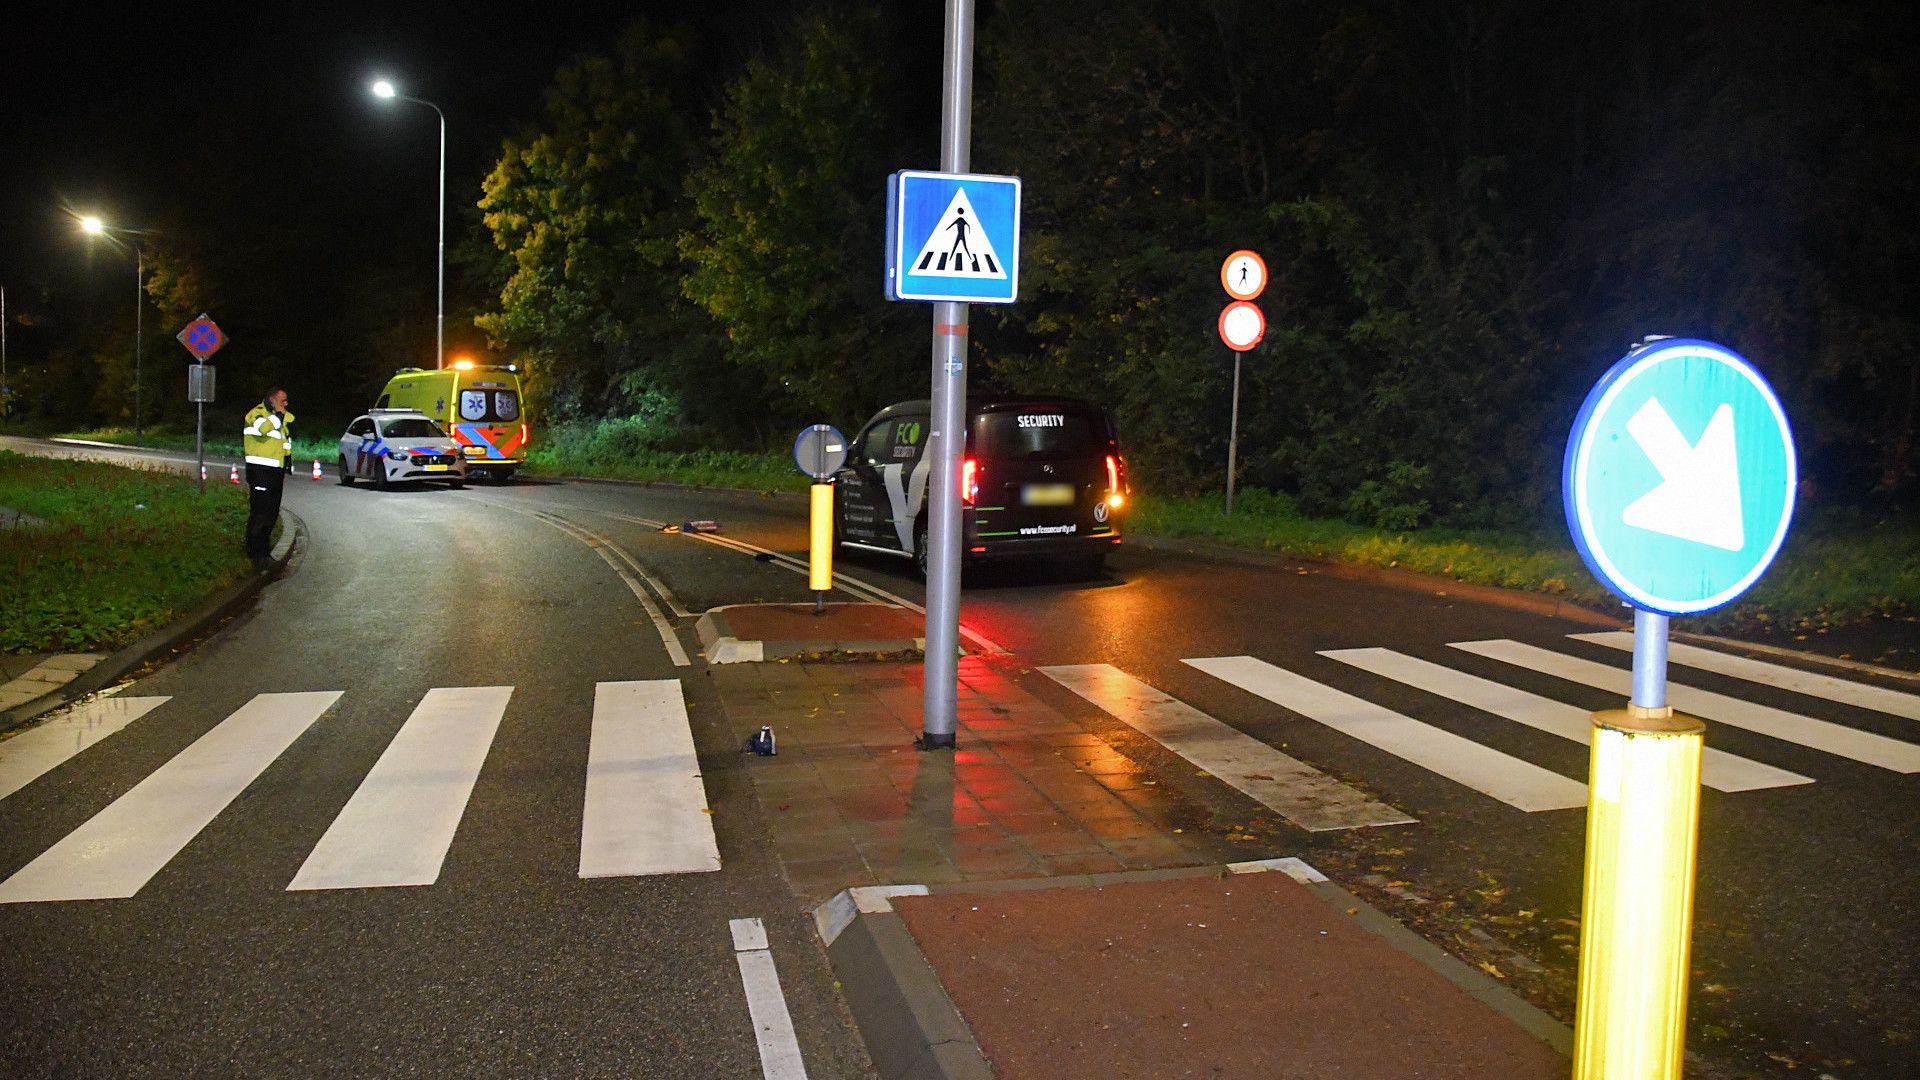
x,y
1047,495
474,451
436,468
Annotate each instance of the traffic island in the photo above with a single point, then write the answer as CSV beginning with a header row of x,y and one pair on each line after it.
x,y
752,633
1250,969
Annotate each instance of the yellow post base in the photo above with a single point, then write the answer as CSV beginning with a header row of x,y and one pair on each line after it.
x,y
820,546
1643,819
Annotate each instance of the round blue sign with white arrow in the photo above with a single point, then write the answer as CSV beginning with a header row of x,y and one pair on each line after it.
x,y
1679,477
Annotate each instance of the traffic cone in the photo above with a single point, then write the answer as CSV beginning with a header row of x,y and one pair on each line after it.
x,y
317,474
203,474
234,476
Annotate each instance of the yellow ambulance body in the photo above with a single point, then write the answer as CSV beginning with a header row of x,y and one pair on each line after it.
x,y
480,408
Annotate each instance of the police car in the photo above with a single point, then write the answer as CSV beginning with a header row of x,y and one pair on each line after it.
x,y
391,445
1040,477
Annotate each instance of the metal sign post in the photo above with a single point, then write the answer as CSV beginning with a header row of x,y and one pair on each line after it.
x,y
202,337
1679,486
1242,325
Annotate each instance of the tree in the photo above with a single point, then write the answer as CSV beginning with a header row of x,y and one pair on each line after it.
x,y
784,252
587,214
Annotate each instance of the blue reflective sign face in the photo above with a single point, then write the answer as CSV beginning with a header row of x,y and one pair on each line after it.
x,y
953,236
1679,477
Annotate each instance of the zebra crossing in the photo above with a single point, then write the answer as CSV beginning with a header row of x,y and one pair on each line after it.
x,y
1317,802
645,805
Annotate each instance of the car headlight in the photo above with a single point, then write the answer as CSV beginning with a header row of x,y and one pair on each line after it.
x,y
398,457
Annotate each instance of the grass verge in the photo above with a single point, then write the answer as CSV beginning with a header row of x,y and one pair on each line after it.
x,y
161,438
121,552
1832,571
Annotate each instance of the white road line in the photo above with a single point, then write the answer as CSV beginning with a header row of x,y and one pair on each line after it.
x,y
119,849
398,825
856,586
1509,779
32,754
661,625
766,1004
646,809
1719,770
1836,739
1879,699
1296,791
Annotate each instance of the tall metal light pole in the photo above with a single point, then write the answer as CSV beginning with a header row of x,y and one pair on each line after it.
x,y
93,226
385,91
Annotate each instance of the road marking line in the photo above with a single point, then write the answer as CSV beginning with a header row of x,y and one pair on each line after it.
x,y
854,585
1719,770
32,754
646,808
1296,791
398,825
660,623
1836,739
1877,698
766,1004
120,849
1513,781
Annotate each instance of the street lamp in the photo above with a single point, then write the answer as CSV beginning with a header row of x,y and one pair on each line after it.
x,y
384,90
93,226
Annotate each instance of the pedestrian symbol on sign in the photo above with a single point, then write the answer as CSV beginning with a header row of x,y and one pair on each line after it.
x,y
957,248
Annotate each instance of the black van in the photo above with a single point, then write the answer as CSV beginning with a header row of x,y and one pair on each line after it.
x,y
1040,476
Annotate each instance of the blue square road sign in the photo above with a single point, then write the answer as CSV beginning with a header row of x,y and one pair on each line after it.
x,y
953,237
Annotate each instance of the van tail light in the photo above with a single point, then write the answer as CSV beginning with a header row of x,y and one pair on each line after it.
x,y
969,481
1116,497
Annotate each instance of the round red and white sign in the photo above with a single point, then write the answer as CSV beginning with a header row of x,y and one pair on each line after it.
x,y
1243,275
1242,325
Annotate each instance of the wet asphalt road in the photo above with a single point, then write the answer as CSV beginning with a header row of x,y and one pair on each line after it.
x,y
1804,949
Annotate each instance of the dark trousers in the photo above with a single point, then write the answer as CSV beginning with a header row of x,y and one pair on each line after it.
x,y
263,507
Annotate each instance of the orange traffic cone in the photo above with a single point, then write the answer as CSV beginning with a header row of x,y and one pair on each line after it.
x,y
234,476
317,474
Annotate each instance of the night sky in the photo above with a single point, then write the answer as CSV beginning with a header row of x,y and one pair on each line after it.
x,y
114,110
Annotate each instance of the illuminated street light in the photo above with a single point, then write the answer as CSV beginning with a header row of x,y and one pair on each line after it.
x,y
93,226
384,90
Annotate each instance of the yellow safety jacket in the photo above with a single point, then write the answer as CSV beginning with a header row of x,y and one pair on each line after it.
x,y
269,438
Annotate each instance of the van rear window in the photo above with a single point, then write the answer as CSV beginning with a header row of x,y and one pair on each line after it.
x,y
1039,433
489,405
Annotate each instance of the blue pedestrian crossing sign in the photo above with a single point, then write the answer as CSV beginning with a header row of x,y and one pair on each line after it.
x,y
953,237
1679,476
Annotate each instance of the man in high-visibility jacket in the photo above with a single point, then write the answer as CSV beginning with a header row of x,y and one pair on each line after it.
x,y
269,447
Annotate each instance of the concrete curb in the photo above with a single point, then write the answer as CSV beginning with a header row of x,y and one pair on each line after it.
x,y
720,646
217,608
913,1031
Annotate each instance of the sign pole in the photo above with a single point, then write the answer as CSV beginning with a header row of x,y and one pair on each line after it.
x,y
1233,432
200,441
947,439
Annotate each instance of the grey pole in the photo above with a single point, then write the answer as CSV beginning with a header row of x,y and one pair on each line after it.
x,y
440,270
947,440
1649,659
1233,430
139,280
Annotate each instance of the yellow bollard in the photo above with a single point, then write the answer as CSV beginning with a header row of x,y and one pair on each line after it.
x,y
820,551
1643,824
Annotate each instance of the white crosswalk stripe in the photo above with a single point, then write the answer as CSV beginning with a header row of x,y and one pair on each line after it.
x,y
398,825
1298,792
1831,738
33,753
645,808
1877,698
1509,779
1720,771
119,849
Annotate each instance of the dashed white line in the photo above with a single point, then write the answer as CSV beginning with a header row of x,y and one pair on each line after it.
x,y
766,1004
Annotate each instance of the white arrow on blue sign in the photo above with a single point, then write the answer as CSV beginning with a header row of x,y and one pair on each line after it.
x,y
1679,476
953,237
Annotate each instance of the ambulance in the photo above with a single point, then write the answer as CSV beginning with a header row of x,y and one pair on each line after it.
x,y
479,406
